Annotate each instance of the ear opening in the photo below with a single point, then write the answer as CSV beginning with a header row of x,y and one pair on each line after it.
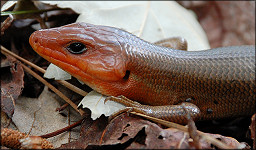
x,y
127,74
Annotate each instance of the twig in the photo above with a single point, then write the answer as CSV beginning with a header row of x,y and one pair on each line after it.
x,y
65,83
69,133
62,130
62,107
72,87
52,88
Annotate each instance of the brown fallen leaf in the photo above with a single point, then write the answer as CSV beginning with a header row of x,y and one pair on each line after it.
x,y
226,23
11,83
135,133
145,134
91,132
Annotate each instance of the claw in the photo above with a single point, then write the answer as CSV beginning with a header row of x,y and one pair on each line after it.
x,y
121,96
107,99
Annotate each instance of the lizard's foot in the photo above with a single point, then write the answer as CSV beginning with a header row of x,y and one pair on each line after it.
x,y
174,113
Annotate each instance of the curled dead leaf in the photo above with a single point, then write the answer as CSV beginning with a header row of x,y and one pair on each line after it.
x,y
11,84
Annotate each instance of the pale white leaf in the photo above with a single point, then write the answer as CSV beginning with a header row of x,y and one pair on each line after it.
x,y
95,102
54,72
7,5
150,20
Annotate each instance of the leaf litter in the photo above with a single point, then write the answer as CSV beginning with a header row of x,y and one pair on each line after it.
x,y
126,131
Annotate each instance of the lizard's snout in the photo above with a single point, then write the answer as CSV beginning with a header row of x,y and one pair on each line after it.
x,y
34,39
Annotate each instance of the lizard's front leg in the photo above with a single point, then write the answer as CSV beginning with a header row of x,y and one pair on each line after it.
x,y
174,113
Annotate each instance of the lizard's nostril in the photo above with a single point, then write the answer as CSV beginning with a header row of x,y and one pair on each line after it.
x,y
33,38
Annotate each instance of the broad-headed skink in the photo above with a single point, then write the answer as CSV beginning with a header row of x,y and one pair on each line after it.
x,y
217,83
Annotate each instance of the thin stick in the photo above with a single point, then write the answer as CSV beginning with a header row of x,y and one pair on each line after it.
x,y
185,129
62,130
65,83
72,87
52,88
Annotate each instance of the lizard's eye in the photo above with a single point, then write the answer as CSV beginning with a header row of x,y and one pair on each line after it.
x,y
76,48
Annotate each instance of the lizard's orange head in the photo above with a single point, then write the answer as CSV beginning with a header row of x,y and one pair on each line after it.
x,y
86,51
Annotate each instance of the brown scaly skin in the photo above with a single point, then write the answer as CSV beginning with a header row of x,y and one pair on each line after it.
x,y
220,81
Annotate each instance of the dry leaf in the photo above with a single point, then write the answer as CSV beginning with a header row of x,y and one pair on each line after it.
x,y
135,133
151,136
226,23
11,84
91,132
38,116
